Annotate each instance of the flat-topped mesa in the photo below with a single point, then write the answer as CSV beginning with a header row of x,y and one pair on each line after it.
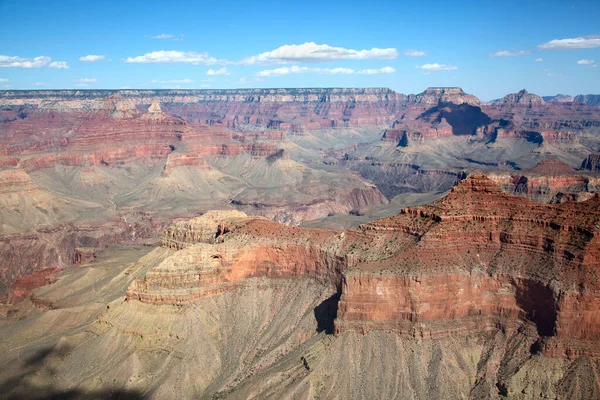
x,y
204,229
549,181
435,95
551,167
221,249
175,160
522,98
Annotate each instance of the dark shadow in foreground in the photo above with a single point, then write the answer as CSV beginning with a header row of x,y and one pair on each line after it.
x,y
23,386
326,313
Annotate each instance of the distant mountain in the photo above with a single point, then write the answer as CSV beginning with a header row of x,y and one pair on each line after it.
x,y
522,98
589,99
559,98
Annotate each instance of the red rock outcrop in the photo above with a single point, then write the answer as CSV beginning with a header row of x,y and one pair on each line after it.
x,y
220,249
522,98
15,181
550,181
479,254
435,95
476,260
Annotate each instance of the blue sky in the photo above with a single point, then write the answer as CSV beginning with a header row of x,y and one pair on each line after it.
x,y
489,48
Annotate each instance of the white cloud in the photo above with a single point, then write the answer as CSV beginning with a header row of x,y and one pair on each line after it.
x,y
323,71
81,85
163,36
86,80
508,53
59,65
437,67
40,84
384,70
173,56
585,62
91,58
414,53
4,80
19,62
219,72
539,60
312,52
587,42
184,81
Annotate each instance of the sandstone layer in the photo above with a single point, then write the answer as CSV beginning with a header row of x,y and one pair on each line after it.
x,y
480,294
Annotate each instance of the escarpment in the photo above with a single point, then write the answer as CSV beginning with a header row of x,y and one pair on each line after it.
x,y
477,260
487,259
220,249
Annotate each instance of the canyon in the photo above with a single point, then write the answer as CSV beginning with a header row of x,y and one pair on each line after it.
x,y
478,294
283,242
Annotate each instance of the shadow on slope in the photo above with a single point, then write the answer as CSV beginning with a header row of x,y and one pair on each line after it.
x,y
326,313
39,367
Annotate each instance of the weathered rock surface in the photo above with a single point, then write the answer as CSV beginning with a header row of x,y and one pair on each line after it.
x,y
550,181
492,258
436,95
476,260
522,98
589,99
480,294
559,98
591,163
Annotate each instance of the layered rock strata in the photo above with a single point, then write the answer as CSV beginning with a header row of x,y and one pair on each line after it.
x,y
550,181
476,260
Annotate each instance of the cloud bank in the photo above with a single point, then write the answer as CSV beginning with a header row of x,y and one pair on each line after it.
x,y
323,71
437,67
37,62
508,53
588,42
310,52
173,56
91,58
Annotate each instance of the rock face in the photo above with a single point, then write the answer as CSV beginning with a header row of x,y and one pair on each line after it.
x,y
559,98
522,98
589,99
497,258
591,162
480,294
474,261
210,262
550,181
435,95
